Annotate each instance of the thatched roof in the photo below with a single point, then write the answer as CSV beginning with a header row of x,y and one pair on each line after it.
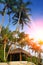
x,y
19,50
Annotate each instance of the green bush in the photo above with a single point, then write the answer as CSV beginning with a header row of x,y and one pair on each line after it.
x,y
29,59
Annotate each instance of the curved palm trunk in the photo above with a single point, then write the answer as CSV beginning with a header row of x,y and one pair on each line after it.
x,y
9,19
2,20
17,29
5,43
1,23
8,51
0,32
4,50
4,54
0,28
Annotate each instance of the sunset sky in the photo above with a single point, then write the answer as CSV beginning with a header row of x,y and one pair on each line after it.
x,y
36,30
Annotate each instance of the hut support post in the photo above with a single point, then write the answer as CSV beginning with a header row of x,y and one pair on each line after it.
x,y
20,57
10,57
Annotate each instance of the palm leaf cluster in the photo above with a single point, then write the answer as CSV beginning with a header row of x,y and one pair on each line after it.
x,y
19,9
8,5
22,13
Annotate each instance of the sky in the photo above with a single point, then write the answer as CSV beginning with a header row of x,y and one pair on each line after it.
x,y
36,30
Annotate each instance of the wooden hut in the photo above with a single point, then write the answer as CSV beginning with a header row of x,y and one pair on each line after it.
x,y
18,55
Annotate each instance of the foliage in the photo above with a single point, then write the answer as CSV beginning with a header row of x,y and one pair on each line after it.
x,y
20,12
18,9
8,6
29,59
23,58
5,36
40,42
22,15
1,55
34,60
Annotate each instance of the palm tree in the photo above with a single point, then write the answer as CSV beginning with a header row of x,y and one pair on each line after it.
x,y
6,35
21,39
8,8
4,38
21,16
12,40
20,10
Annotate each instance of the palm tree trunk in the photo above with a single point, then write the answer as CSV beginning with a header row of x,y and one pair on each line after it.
x,y
5,43
0,28
17,29
8,51
4,52
20,57
2,20
1,23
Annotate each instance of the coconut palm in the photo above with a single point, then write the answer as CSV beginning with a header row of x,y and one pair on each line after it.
x,y
20,10
6,35
22,15
21,39
8,4
8,8
4,38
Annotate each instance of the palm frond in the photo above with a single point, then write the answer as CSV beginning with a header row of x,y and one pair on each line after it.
x,y
2,13
27,23
2,1
28,3
14,22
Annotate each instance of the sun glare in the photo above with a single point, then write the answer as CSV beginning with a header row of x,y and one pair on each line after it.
x,y
39,35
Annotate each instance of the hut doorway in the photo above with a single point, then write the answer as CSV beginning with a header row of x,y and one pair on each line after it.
x,y
13,57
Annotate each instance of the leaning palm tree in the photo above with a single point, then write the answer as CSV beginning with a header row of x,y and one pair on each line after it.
x,y
4,39
6,34
8,7
2,20
22,15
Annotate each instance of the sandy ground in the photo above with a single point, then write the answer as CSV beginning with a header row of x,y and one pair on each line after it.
x,y
18,63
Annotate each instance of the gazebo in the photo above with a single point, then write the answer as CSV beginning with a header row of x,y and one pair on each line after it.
x,y
18,54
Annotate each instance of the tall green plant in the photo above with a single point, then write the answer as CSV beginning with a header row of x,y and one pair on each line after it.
x,y
6,34
22,14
